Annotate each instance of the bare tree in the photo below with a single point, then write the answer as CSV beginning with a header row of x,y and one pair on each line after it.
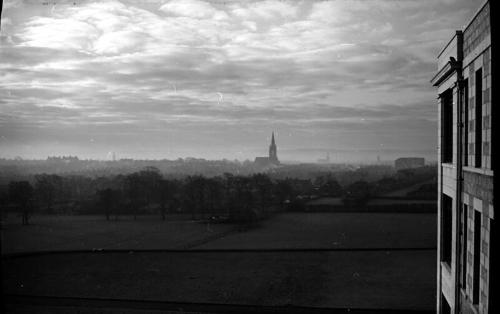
x,y
108,199
165,194
47,187
21,194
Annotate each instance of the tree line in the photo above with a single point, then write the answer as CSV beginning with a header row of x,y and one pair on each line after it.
x,y
238,198
233,197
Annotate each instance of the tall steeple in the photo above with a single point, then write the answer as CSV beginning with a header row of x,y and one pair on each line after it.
x,y
273,151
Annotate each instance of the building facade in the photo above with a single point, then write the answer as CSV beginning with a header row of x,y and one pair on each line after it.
x,y
466,209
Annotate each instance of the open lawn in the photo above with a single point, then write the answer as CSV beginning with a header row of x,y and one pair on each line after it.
x,y
48,233
403,192
397,279
336,230
290,230
380,279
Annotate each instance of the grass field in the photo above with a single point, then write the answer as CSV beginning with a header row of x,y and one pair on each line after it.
x,y
401,280
291,230
336,230
47,233
367,279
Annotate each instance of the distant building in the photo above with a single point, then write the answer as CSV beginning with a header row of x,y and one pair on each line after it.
x,y
65,159
409,162
272,160
111,156
467,260
326,160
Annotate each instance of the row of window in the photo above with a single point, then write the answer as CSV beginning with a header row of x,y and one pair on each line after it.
x,y
447,240
447,122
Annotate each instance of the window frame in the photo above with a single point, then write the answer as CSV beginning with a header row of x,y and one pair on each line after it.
x,y
446,229
447,126
478,80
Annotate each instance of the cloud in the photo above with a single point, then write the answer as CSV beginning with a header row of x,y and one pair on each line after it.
x,y
11,4
5,22
265,10
306,67
193,9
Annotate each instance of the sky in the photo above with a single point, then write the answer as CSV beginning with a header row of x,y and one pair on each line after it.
x,y
157,79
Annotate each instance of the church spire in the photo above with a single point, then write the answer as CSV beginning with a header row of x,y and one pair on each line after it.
x,y
273,151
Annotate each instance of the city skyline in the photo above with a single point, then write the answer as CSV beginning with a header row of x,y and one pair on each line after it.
x,y
212,79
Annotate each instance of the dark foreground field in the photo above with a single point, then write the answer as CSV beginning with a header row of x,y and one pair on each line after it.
x,y
48,233
392,266
335,230
382,279
290,230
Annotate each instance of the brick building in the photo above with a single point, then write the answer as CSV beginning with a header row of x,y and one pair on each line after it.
x,y
466,221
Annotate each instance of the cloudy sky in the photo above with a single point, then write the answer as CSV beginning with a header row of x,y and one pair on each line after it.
x,y
213,79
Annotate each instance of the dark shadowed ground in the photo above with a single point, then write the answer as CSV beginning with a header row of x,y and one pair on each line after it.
x,y
49,233
291,230
400,280
336,230
383,279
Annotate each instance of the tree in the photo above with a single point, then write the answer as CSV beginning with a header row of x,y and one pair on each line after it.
x,y
263,186
21,194
228,186
47,187
358,193
133,189
241,200
4,199
213,193
142,188
283,191
195,195
149,179
331,188
165,192
108,199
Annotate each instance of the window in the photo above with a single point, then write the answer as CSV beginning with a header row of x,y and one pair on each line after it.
x,y
446,231
447,126
464,226
466,122
479,116
477,255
